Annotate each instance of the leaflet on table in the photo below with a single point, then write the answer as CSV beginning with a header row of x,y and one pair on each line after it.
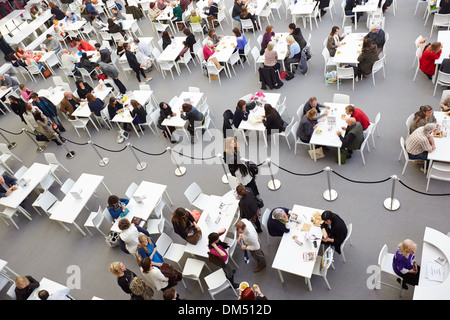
x,y
77,194
434,272
139,199
309,256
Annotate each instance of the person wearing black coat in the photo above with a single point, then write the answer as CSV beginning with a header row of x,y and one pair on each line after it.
x,y
334,230
83,88
248,206
272,119
297,34
134,64
18,106
276,224
25,285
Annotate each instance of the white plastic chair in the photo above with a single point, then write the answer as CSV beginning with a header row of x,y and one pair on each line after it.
x,y
44,201
320,270
328,61
345,73
55,164
167,66
192,270
286,133
341,98
170,250
6,155
297,139
80,124
8,213
367,134
385,266
440,21
67,185
247,24
438,171
195,196
131,190
347,239
405,154
375,127
443,79
94,220
218,282
416,42
377,66
212,70
255,55
19,173
264,222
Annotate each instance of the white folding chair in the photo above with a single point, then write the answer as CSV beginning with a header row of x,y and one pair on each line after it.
x,y
212,70
195,196
192,270
131,190
247,24
443,79
405,154
297,139
345,73
218,282
385,267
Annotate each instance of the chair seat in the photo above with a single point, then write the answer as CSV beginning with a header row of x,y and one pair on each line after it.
x,y
89,222
9,212
387,264
175,252
193,268
201,201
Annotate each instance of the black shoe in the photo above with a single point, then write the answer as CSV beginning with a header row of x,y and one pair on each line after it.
x,y
322,13
404,286
326,148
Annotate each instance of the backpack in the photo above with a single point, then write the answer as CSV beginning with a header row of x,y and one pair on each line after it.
x,y
252,168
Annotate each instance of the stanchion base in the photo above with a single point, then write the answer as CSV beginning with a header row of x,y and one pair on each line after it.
x,y
391,204
103,162
70,155
141,166
12,145
274,184
41,149
180,171
225,178
330,195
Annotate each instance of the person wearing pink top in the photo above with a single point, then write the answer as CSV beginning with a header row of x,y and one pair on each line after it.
x,y
25,92
218,255
208,49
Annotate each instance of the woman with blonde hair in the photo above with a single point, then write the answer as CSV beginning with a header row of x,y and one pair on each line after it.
x,y
404,264
271,57
230,154
124,275
25,285
147,248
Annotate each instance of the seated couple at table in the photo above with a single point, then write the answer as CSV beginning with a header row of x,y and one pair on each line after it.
x,y
8,184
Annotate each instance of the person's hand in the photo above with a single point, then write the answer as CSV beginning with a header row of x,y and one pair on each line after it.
x,y
338,133
243,247
343,128
315,126
328,107
343,36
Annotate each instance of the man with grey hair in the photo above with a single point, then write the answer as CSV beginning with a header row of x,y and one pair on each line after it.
x,y
7,82
420,143
277,222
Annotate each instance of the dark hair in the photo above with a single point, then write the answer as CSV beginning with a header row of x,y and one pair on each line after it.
x,y
49,36
33,95
90,97
241,103
333,30
180,216
124,224
366,43
43,294
327,215
186,107
168,294
242,169
212,237
240,189
292,26
112,200
186,32
97,45
268,109
146,264
37,116
237,32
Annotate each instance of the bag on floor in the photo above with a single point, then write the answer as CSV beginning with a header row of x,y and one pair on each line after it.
x,y
290,76
319,153
123,135
112,239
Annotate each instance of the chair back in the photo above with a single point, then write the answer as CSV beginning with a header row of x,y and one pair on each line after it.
x,y
349,233
131,190
67,185
247,24
327,260
378,65
408,124
265,218
443,78
300,111
51,158
382,255
98,218
347,72
192,192
163,243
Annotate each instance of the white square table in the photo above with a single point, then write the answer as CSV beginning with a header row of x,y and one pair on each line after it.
x,y
325,133
303,9
71,206
442,152
219,213
289,257
255,116
33,176
350,49
151,193
281,47
170,53
369,6
53,288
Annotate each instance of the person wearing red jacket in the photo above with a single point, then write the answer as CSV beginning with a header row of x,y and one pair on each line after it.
x,y
83,45
429,56
359,115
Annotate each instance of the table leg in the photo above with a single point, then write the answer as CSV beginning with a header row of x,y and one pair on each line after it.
x,y
356,21
24,212
339,155
281,276
106,188
132,124
308,280
314,150
429,168
79,229
167,195
265,138
92,121
64,226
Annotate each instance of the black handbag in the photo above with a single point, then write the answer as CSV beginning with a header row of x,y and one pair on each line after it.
x,y
41,137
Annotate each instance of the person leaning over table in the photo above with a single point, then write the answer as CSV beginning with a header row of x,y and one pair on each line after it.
x,y
7,185
241,43
420,143
134,64
195,117
271,57
334,40
212,35
165,111
366,59
378,37
25,285
105,54
427,61
114,27
422,117
87,64
312,103
334,230
111,71
277,224
359,115
117,206
208,49
354,136
251,242
185,226
53,44
405,265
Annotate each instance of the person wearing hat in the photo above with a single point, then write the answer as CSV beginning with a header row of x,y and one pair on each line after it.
x,y
334,230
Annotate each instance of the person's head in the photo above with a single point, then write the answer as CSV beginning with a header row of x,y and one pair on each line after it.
x,y
231,145
211,32
124,224
136,40
77,40
429,128
240,227
110,21
28,107
170,294
117,268
213,237
43,294
291,27
90,97
327,216
165,34
435,47
68,95
22,282
135,104
186,107
143,240
334,31
84,55
313,102
49,36
269,29
351,121
279,214
152,5
115,10
113,200
34,96
186,32
120,43
290,39
55,22
366,43
37,115
248,294
426,110
209,43
193,13
349,110
179,215
311,114
146,264
163,105
80,84
240,190
407,247
97,46
237,32
22,86
241,104
139,288
270,46
97,66
51,5
112,102
13,99
268,109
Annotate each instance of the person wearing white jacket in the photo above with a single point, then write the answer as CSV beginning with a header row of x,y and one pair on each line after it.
x,y
153,275
249,236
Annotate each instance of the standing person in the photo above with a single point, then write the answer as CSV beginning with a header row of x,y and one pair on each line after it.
x,y
153,275
250,293
230,154
140,290
245,178
124,276
134,64
218,255
405,265
147,248
241,43
49,132
334,230
105,54
334,40
249,236
48,109
112,72
18,106
296,32
185,226
129,235
25,285
248,206
427,61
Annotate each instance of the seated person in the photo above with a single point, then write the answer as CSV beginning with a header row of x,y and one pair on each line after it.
x,y
95,104
271,57
354,136
185,226
313,104
272,119
212,35
420,143
294,53
83,88
445,103
195,18
307,125
7,185
195,117
241,114
7,82
247,15
83,45
139,114
378,37
53,44
277,223
69,104
334,230
25,285
422,117
117,207
359,115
